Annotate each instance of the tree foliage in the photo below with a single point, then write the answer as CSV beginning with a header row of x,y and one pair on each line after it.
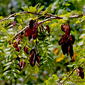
x,y
42,42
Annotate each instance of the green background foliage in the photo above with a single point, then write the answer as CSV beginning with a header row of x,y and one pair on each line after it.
x,y
50,71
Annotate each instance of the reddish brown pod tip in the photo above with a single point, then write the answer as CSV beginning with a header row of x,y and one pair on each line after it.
x,y
38,58
22,64
18,49
32,52
65,28
80,72
63,39
34,36
71,39
32,59
15,44
48,28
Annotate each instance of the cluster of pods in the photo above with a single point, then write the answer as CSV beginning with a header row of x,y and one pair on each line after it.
x,y
67,41
34,58
31,32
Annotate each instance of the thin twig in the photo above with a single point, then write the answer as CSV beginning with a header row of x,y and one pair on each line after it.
x,y
50,19
70,74
76,16
20,32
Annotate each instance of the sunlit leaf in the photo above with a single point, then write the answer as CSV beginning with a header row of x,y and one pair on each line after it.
x,y
59,59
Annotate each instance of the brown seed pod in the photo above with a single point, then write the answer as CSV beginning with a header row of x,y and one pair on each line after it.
x,y
71,39
32,60
18,49
80,72
65,28
63,40
64,49
32,57
70,51
38,58
28,32
34,36
31,23
26,49
22,64
48,28
66,42
73,58
32,52
15,44
22,35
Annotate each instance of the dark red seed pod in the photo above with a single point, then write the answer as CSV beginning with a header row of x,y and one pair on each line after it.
x,y
80,72
32,57
18,49
63,40
70,50
31,23
22,35
38,59
66,42
22,64
32,52
26,50
64,49
15,44
71,39
34,36
30,37
28,32
32,60
48,28
35,28
65,28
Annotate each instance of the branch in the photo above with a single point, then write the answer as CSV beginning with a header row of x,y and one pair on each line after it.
x,y
26,12
47,14
48,19
38,23
76,16
15,14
